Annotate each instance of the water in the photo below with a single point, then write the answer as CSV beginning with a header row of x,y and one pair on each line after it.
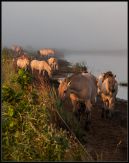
x,y
98,63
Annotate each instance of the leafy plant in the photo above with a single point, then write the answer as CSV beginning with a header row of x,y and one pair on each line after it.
x,y
9,95
24,78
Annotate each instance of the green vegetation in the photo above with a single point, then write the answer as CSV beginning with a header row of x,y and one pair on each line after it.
x,y
32,130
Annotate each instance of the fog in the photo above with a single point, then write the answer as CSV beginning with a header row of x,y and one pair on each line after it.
x,y
65,25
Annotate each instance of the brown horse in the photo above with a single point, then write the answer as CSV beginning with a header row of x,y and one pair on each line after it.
x,y
108,89
81,88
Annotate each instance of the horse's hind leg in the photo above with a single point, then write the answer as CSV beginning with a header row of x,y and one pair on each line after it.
x,y
88,114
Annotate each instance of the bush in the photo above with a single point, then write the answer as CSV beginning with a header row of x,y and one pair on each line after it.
x,y
80,67
9,95
24,78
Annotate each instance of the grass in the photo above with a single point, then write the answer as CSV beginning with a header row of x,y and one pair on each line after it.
x,y
31,128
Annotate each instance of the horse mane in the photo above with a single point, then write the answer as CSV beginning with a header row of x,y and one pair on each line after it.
x,y
107,74
67,79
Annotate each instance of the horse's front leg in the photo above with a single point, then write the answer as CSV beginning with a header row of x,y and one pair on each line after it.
x,y
74,101
111,107
40,71
105,108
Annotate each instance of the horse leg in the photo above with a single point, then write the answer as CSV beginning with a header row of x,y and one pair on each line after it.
x,y
74,100
43,73
107,112
40,72
111,107
74,105
103,110
88,106
79,110
26,68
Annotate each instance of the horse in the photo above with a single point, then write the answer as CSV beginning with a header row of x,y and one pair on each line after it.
x,y
17,49
23,63
53,63
79,88
46,52
107,89
41,66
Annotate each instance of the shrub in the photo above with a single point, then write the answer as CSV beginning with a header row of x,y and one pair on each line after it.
x,y
9,95
79,67
24,78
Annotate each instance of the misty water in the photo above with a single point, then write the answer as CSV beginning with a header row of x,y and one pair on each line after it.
x,y
98,63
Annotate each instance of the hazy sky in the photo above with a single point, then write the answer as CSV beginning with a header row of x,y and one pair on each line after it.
x,y
65,25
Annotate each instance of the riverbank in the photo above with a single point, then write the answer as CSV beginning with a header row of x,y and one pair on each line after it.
x,y
107,139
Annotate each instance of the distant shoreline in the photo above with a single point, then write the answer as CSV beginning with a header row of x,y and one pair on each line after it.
x,y
123,84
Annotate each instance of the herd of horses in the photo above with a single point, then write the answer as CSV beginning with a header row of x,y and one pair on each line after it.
x,y
80,88
24,61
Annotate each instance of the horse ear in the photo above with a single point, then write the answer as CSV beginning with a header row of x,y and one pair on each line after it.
x,y
69,83
60,80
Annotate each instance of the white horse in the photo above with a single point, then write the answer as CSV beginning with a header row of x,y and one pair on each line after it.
x,y
107,89
23,63
53,63
17,49
41,66
46,52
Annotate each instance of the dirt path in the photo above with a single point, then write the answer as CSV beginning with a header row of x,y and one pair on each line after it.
x,y
108,137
